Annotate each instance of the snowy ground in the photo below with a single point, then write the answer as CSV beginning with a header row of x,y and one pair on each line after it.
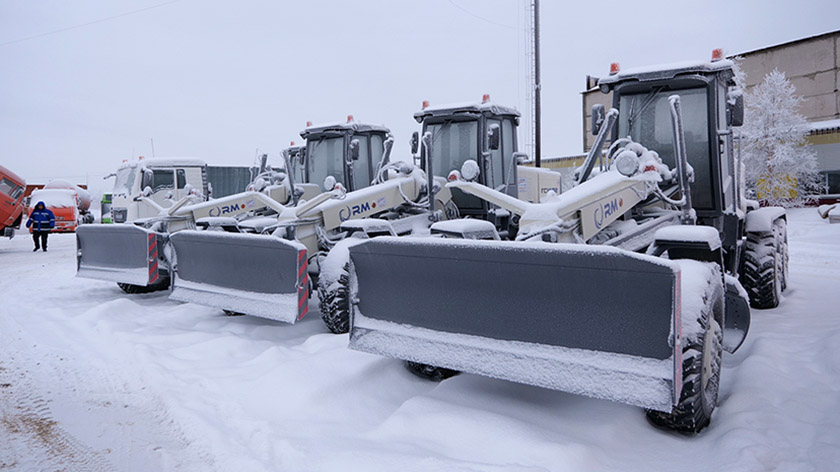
x,y
92,379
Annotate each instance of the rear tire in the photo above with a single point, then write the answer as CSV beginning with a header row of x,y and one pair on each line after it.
x,y
701,372
430,372
764,272
334,302
780,228
133,289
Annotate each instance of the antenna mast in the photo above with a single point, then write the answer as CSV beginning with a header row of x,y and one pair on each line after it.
x,y
535,86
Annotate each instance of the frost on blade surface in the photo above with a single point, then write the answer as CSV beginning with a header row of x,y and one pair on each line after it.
x,y
277,306
618,377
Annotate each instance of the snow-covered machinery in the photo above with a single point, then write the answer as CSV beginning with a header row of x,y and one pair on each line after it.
x,y
625,288
137,256
12,189
268,275
83,199
476,139
142,186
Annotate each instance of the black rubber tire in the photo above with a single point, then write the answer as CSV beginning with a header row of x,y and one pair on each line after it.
x,y
233,313
430,372
701,371
133,289
780,228
334,303
762,273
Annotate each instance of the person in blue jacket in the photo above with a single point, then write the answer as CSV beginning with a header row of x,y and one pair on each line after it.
x,y
41,220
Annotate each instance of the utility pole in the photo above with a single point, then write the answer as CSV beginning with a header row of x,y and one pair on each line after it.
x,y
536,85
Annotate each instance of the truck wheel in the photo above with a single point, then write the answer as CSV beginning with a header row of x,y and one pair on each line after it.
x,y
334,302
701,372
132,289
763,268
430,372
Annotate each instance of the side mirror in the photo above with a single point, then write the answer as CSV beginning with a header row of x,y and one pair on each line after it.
x,y
354,149
736,108
494,137
415,142
520,158
598,116
147,192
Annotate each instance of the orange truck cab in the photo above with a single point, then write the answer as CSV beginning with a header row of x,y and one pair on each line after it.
x,y
64,205
11,202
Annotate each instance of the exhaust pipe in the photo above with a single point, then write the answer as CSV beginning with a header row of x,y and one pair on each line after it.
x,y
430,175
681,158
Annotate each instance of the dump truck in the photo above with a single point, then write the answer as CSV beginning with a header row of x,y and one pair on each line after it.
x,y
12,188
483,134
627,287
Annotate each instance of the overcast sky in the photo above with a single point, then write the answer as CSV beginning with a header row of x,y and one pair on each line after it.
x,y
220,79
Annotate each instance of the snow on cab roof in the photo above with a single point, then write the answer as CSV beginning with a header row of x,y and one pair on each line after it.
x,y
666,71
11,175
166,162
465,107
343,127
54,197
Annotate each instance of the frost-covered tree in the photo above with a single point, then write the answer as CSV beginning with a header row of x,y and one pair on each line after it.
x,y
780,167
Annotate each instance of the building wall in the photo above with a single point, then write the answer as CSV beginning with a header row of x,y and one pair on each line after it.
x,y
812,66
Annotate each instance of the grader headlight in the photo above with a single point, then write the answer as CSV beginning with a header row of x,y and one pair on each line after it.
x,y
627,163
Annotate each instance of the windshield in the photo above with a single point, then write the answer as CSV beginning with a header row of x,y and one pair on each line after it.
x,y
646,118
10,188
325,157
453,142
124,182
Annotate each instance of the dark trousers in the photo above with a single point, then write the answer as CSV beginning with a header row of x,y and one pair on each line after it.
x,y
43,239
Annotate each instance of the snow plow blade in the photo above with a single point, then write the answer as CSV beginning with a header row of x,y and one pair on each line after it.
x,y
596,321
258,275
118,253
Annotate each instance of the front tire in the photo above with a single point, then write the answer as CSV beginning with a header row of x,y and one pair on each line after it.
x,y
430,372
334,302
132,289
701,371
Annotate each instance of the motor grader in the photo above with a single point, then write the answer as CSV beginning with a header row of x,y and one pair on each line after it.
x,y
627,287
269,276
483,134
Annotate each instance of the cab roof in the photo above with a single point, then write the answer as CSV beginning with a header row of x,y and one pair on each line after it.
x,y
12,176
346,127
667,71
465,108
